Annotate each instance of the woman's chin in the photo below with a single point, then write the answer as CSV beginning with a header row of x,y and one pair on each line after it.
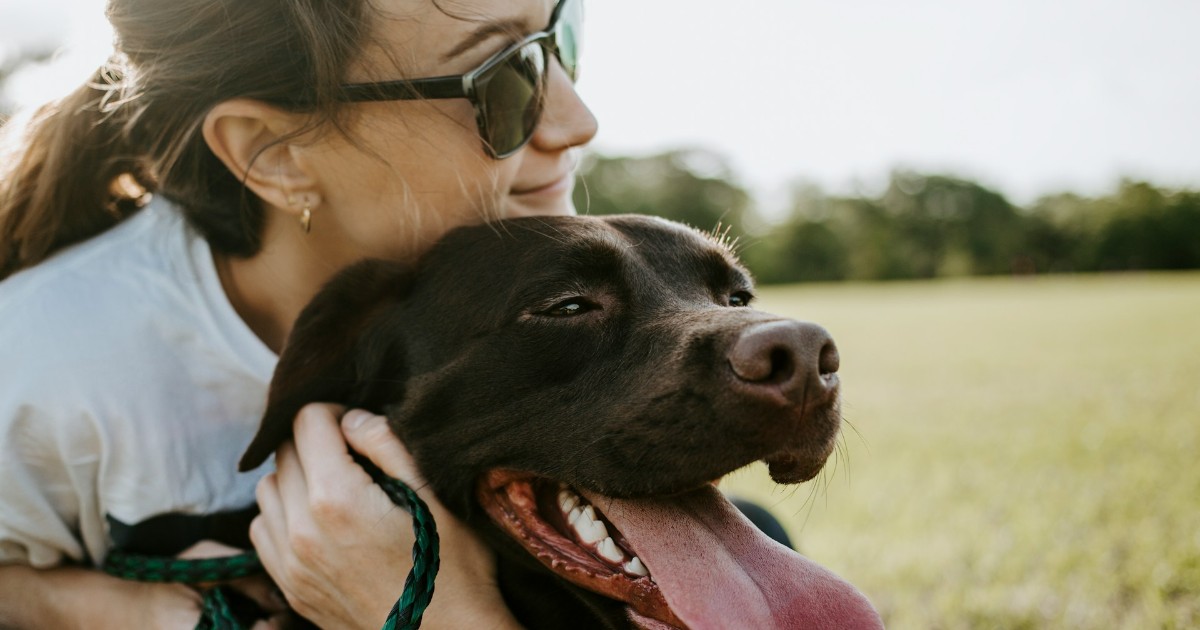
x,y
539,203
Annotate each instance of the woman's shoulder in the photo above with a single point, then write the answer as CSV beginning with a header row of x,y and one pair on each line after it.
x,y
145,245
140,304
102,294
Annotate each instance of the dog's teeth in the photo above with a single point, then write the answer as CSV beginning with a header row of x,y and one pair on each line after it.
x,y
609,551
567,500
590,531
589,528
635,567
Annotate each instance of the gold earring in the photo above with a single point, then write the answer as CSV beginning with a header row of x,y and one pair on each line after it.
x,y
306,219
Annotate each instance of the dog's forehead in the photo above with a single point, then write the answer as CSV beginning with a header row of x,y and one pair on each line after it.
x,y
554,235
679,251
649,238
632,250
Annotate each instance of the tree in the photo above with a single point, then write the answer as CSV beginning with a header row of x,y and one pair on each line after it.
x,y
951,226
1149,229
690,186
801,250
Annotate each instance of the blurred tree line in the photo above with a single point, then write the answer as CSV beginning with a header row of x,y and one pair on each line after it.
x,y
921,226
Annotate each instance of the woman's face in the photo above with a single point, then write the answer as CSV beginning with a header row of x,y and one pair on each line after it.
x,y
410,170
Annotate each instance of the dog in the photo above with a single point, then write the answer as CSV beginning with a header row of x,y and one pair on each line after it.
x,y
570,388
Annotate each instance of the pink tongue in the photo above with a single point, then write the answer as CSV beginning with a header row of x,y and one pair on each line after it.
x,y
717,570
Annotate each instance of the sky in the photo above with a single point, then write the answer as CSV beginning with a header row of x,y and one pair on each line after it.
x,y
1026,96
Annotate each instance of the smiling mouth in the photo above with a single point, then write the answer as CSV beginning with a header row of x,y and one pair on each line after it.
x,y
561,183
687,560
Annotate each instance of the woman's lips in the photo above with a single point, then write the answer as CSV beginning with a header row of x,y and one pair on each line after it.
x,y
553,188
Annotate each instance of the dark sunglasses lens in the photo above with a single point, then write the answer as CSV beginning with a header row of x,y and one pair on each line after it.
x,y
567,34
511,99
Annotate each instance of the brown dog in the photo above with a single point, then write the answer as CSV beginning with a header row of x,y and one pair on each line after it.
x,y
570,386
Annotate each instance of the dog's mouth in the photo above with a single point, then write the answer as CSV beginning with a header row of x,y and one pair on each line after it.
x,y
688,560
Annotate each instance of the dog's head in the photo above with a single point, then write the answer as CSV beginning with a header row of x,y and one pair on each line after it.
x,y
538,366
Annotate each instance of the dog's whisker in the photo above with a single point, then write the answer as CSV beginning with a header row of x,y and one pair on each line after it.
x,y
844,448
547,227
828,477
500,230
862,438
808,506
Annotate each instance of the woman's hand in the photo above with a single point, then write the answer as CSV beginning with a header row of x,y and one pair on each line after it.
x,y
340,550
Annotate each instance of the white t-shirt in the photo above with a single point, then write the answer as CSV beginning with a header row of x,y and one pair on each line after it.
x,y
129,388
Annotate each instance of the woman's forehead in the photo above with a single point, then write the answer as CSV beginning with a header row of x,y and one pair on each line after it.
x,y
433,37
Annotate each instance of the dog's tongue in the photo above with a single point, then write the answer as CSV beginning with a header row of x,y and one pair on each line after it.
x,y
717,570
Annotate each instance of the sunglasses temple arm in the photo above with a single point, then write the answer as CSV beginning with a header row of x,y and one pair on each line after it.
x,y
433,88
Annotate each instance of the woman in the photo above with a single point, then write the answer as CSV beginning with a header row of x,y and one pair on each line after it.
x,y
279,147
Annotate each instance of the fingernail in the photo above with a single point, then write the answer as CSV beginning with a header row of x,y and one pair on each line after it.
x,y
354,419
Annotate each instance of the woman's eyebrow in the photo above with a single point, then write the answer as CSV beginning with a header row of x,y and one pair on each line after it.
x,y
486,31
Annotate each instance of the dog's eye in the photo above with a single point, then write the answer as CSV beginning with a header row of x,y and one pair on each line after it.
x,y
570,308
740,298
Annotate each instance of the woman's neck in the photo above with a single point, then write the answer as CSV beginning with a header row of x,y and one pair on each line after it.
x,y
268,290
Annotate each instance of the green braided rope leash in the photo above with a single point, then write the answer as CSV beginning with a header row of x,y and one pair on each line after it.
x,y
216,612
418,586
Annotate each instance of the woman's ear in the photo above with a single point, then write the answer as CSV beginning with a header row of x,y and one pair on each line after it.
x,y
251,138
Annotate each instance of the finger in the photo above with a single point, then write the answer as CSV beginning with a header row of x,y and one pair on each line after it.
x,y
167,605
319,443
268,530
209,549
276,622
291,482
370,435
268,547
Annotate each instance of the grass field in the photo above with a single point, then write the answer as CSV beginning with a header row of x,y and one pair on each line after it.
x,y
1024,453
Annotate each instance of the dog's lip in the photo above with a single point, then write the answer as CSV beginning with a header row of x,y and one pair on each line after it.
x,y
499,478
513,503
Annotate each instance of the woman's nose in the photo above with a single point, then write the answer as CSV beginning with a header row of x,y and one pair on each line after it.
x,y
566,122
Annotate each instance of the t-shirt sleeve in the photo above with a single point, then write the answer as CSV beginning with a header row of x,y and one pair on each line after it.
x,y
39,490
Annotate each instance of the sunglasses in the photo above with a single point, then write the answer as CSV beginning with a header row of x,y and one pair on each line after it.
x,y
508,90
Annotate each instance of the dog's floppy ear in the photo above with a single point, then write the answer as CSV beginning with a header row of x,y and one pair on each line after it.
x,y
321,361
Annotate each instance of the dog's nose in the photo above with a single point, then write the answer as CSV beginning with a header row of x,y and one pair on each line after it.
x,y
799,358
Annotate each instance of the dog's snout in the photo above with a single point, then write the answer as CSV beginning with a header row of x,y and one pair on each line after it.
x,y
794,356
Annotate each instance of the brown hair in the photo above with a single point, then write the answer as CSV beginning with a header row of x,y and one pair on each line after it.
x,y
85,162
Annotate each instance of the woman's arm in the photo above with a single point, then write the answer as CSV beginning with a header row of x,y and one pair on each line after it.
x,y
340,550
71,597
77,597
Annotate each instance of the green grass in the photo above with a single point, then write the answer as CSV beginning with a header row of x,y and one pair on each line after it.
x,y
1022,453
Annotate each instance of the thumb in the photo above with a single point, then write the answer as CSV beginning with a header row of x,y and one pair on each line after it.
x,y
209,549
370,436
